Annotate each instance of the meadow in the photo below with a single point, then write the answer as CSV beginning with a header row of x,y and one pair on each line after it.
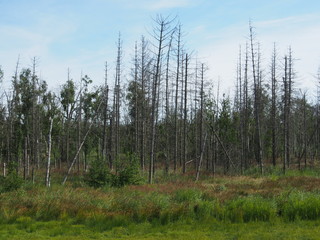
x,y
175,207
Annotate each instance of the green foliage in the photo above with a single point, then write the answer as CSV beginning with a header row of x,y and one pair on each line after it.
x,y
61,230
251,209
128,171
67,95
108,208
208,210
187,195
299,205
10,183
99,174
128,174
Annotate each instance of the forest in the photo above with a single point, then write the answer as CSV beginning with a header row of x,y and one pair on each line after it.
x,y
165,114
161,120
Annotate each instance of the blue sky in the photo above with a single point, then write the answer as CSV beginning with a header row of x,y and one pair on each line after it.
x,y
82,34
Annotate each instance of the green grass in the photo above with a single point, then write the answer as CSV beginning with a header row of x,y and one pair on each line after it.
x,y
179,230
224,207
238,199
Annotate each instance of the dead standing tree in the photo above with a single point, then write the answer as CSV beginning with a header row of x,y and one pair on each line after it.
x,y
273,104
257,99
287,97
176,100
161,33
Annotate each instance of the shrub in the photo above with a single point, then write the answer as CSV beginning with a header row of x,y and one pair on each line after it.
x,y
128,172
10,183
129,176
99,174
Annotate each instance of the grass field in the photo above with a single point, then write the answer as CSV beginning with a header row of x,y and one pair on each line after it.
x,y
180,230
220,207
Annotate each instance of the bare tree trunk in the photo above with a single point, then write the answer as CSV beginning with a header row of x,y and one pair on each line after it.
x,y
49,154
246,112
185,117
155,84
4,169
162,32
117,99
176,102
25,159
167,163
105,115
201,108
195,118
285,115
290,76
79,122
181,111
201,158
257,102
273,106
240,109
136,109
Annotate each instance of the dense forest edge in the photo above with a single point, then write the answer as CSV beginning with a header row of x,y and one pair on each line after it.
x,y
159,144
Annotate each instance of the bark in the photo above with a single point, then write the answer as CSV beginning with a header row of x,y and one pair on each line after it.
x,y
257,102
201,158
105,115
185,116
273,106
49,154
176,102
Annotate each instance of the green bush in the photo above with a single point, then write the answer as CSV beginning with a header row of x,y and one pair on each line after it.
x,y
10,182
128,172
129,176
99,174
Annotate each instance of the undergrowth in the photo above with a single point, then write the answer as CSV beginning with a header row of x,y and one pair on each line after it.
x,y
234,199
122,206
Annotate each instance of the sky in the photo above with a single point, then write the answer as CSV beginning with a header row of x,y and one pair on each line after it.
x,y
82,34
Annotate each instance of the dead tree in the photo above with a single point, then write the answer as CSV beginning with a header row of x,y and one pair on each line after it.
x,y
144,69
257,101
167,107
287,92
273,104
245,127
105,114
161,34
185,116
117,100
49,153
176,101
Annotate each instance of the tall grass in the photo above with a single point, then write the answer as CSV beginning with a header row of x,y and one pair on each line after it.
x,y
299,205
158,204
253,208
